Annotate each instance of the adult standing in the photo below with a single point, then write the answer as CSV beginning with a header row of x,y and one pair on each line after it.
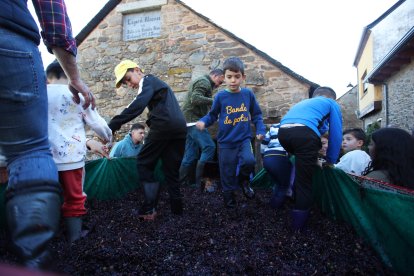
x,y
33,193
196,106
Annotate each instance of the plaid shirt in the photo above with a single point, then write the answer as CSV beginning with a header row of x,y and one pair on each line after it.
x,y
55,24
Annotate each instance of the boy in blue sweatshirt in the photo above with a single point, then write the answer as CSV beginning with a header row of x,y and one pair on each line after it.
x,y
235,108
299,133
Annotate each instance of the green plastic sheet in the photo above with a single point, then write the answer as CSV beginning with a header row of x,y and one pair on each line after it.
x,y
381,213
107,179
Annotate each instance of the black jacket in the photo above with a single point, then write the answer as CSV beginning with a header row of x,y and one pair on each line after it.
x,y
165,119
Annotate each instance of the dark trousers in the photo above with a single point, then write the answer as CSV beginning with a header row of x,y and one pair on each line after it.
x,y
278,166
171,153
230,159
305,144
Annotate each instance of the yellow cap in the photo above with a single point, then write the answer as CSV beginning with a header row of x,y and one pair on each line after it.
x,y
121,69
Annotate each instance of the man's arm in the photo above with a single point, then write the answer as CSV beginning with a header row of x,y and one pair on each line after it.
x,y
199,93
76,85
57,36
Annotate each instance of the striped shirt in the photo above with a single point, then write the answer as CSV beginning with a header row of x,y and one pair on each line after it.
x,y
271,140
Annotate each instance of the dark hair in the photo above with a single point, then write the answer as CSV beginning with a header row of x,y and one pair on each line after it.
x,y
324,91
358,133
233,64
216,72
54,70
137,126
394,153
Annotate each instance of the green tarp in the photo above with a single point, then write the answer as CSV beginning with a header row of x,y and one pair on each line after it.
x,y
380,213
107,179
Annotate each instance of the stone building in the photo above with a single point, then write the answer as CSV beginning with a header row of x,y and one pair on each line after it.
x,y
385,63
349,109
169,39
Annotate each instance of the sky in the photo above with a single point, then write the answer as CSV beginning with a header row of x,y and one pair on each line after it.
x,y
316,39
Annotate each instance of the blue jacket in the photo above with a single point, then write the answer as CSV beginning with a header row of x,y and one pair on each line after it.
x,y
235,112
320,114
125,148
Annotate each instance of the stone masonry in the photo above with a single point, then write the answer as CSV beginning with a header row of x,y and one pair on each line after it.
x,y
189,45
349,106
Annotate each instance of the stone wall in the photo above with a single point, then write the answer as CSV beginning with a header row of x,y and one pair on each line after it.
x,y
189,46
401,98
349,106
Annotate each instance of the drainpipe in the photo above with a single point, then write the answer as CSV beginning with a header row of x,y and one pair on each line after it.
x,y
385,89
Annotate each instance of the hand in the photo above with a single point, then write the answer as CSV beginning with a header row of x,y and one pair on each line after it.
x,y
98,148
78,86
200,125
260,137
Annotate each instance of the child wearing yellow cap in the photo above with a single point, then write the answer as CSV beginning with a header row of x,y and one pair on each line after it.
x,y
166,136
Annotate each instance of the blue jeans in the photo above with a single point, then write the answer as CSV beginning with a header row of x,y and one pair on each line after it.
x,y
197,141
24,141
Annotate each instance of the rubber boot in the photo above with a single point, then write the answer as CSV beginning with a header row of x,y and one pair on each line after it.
x,y
184,175
176,206
199,175
245,186
299,219
73,228
229,199
148,211
33,220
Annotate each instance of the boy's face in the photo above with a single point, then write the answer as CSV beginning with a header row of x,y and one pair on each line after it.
x,y
233,80
324,142
132,79
349,143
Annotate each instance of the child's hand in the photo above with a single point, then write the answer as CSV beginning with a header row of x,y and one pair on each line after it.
x,y
200,125
98,148
260,137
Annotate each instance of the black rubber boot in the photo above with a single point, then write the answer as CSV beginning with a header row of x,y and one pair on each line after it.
x,y
184,175
229,199
176,206
148,211
73,228
199,175
33,214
